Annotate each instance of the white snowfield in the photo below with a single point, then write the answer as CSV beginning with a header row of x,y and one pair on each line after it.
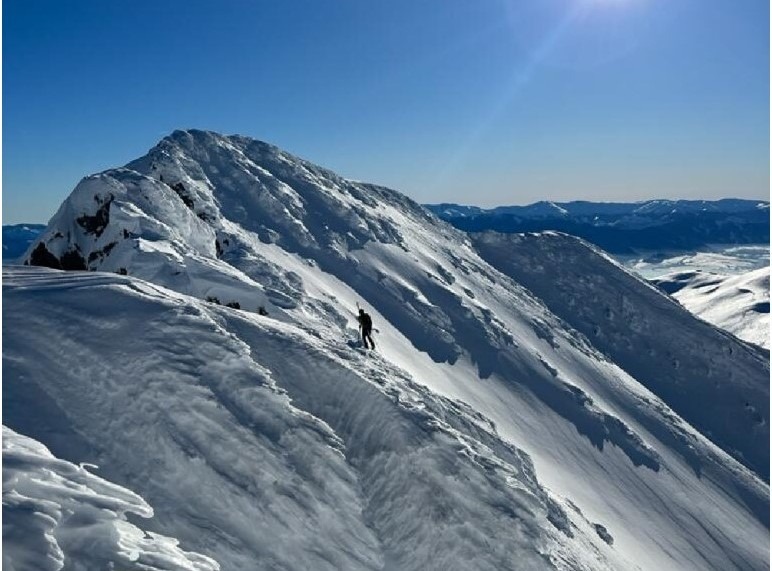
x,y
56,513
738,304
485,432
726,259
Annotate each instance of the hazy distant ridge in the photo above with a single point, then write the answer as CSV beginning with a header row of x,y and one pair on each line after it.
x,y
621,227
17,238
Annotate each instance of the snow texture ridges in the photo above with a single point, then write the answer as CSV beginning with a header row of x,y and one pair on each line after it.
x,y
485,432
57,515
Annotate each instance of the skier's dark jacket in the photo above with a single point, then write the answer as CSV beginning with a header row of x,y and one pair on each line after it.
x,y
365,321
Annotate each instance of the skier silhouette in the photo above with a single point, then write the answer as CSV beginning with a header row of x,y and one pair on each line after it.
x,y
366,327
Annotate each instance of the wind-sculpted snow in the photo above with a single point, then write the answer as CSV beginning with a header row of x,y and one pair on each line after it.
x,y
717,383
262,448
475,383
58,515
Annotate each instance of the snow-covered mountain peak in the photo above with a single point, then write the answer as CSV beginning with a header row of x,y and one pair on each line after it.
x,y
203,199
476,379
269,191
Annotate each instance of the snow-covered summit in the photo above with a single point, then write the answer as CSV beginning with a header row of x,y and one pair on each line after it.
x,y
486,430
190,213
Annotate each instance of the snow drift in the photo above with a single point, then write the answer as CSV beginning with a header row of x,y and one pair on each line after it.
x,y
485,432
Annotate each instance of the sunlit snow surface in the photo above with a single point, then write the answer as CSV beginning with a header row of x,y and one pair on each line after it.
x,y
739,304
726,260
486,432
267,445
727,286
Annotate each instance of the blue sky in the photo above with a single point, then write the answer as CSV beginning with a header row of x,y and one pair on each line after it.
x,y
483,102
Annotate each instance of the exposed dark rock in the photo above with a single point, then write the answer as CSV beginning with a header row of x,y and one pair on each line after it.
x,y
42,257
100,254
603,533
183,193
97,223
233,304
558,517
761,307
213,299
72,260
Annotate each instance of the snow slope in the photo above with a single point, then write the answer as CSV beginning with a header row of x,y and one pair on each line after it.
x,y
709,378
266,446
482,421
739,304
57,514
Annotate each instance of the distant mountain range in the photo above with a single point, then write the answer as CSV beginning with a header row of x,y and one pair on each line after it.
x,y
624,227
17,238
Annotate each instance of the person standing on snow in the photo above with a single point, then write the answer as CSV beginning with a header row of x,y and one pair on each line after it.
x,y
366,328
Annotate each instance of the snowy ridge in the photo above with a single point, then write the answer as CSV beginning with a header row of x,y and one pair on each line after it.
x,y
528,421
56,514
359,470
739,304
649,336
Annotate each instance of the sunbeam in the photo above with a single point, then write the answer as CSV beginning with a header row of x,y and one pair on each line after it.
x,y
521,76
